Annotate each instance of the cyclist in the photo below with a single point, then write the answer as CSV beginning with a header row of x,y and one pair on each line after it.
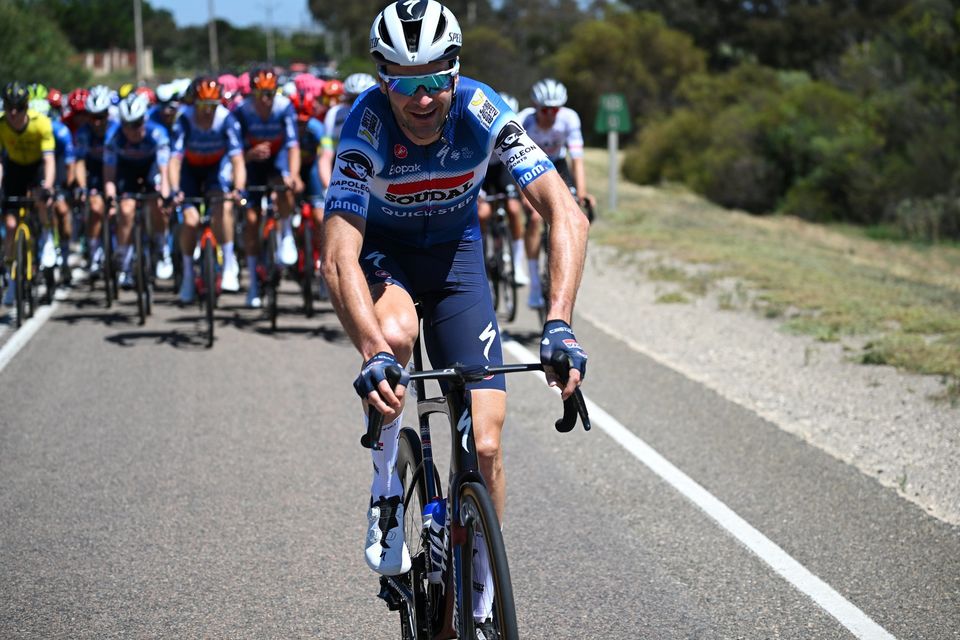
x,y
207,155
353,86
165,111
498,180
66,160
272,154
133,159
556,129
331,94
76,114
28,151
310,133
401,219
91,139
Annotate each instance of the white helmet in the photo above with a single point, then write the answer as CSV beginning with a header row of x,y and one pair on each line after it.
x,y
512,102
357,83
40,105
414,32
167,93
134,107
549,93
99,100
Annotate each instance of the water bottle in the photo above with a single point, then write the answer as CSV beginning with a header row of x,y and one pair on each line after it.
x,y
434,518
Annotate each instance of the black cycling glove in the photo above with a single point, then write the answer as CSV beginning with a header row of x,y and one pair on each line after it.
x,y
374,370
558,338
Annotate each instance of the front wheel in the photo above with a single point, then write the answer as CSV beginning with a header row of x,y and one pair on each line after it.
x,y
20,277
309,264
483,575
139,273
208,263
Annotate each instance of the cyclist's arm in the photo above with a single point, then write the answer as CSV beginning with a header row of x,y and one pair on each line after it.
x,y
239,172
81,173
109,181
349,293
579,177
173,172
325,166
49,170
567,241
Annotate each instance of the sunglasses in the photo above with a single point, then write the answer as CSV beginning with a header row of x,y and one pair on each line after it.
x,y
209,104
549,110
265,93
431,83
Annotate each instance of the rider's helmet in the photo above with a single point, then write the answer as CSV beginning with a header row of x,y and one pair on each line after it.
x,y
357,83
333,89
148,92
512,102
77,100
167,94
15,96
99,100
263,79
125,90
55,99
549,93
38,98
415,32
305,106
134,107
207,89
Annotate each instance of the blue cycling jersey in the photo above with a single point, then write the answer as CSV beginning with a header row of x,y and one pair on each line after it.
x,y
206,147
279,129
90,146
153,148
310,140
426,195
65,150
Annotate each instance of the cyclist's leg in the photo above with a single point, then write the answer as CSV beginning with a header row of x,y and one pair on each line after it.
x,y
192,187
224,225
257,176
532,238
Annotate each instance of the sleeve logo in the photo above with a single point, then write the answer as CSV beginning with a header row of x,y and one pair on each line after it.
x,y
355,164
370,128
485,110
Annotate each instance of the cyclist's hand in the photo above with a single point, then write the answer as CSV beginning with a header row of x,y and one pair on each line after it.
x,y
259,152
372,384
558,338
294,183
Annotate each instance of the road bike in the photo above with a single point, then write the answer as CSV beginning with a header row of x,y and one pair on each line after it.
x,y
498,250
143,253
107,270
209,273
22,267
269,268
308,255
448,535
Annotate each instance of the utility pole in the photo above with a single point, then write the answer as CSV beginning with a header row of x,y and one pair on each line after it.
x,y
212,32
271,44
138,38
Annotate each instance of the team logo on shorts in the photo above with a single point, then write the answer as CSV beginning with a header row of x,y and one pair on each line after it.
x,y
400,151
356,165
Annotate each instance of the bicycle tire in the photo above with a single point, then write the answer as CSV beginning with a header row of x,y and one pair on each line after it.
x,y
308,267
209,266
139,276
493,267
273,278
107,269
421,621
478,515
508,278
20,277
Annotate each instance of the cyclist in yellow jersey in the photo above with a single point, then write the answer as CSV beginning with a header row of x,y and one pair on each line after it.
x,y
27,146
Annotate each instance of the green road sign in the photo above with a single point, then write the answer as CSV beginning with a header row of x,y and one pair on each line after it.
x,y
612,115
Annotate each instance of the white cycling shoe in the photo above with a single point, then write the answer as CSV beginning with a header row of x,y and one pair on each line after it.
x,y
288,250
386,551
164,269
229,281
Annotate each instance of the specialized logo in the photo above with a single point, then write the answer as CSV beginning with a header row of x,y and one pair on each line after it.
x,y
510,137
454,37
463,426
370,127
375,257
488,335
438,190
400,151
356,164
406,10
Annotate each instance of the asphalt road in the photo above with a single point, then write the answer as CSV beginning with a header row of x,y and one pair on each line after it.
x,y
151,488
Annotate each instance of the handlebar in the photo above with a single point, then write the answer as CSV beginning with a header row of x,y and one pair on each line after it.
x,y
460,375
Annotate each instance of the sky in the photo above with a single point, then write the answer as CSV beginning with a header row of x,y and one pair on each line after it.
x,y
240,13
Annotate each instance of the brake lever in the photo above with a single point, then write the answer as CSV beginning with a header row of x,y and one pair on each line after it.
x,y
374,417
574,405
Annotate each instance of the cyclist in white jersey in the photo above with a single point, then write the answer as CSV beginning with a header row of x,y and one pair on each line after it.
x,y
556,129
353,86
401,224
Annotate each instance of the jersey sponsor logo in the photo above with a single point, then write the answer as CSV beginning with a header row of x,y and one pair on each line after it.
x,y
400,169
485,110
406,193
370,127
518,156
529,175
509,137
400,151
344,205
356,164
426,213
351,186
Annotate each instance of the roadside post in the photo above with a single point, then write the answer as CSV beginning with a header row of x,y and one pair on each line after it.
x,y
612,119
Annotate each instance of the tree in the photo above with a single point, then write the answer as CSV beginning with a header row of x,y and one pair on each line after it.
x,y
632,53
35,50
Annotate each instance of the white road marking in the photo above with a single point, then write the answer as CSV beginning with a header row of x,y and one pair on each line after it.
x,y
847,614
29,328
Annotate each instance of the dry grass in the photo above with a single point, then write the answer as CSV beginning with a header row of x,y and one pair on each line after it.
x,y
838,281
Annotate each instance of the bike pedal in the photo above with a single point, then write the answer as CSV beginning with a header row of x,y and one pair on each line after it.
x,y
388,595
